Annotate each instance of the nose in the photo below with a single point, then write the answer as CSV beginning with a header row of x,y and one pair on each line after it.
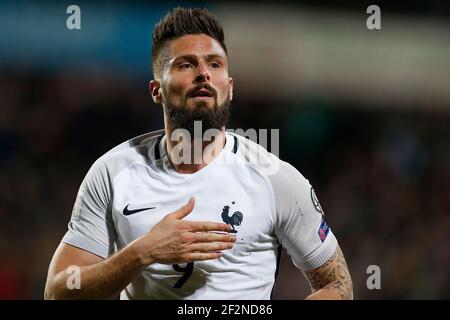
x,y
203,74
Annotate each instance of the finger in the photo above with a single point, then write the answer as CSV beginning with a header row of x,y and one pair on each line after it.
x,y
184,210
214,237
197,256
209,246
206,226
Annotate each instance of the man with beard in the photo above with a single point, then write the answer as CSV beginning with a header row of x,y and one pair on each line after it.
x,y
133,235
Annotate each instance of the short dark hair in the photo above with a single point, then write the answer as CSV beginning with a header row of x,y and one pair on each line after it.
x,y
180,22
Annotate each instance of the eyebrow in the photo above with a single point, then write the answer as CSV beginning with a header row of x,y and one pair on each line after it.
x,y
191,57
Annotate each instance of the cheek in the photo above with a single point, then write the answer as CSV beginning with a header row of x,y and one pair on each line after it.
x,y
223,89
175,90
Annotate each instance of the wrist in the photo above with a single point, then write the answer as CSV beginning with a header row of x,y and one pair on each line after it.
x,y
141,253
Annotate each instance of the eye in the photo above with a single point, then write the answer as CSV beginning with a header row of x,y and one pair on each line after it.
x,y
185,65
215,65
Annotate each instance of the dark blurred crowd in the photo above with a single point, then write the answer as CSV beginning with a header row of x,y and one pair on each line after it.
x,y
382,175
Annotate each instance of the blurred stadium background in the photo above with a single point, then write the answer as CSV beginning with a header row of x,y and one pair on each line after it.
x,y
365,115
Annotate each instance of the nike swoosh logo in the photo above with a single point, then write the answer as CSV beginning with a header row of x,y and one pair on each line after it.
x,y
127,212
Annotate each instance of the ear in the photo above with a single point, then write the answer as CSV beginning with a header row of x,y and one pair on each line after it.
x,y
231,89
155,91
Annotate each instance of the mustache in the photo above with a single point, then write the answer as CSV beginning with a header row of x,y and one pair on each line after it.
x,y
202,86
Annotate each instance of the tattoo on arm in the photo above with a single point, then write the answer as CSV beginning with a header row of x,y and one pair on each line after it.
x,y
333,275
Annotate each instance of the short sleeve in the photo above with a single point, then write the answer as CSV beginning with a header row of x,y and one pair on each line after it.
x,y
91,227
300,222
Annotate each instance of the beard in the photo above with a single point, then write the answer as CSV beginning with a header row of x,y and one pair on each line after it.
x,y
183,117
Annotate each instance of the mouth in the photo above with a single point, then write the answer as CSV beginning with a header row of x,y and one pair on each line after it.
x,y
202,94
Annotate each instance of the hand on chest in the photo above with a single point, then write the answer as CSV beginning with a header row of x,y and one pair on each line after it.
x,y
248,214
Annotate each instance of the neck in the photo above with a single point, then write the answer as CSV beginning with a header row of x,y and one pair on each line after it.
x,y
191,155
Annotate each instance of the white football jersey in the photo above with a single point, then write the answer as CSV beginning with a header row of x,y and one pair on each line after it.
x,y
267,202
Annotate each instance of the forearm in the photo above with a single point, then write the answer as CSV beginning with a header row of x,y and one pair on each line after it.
x,y
333,291
332,280
102,280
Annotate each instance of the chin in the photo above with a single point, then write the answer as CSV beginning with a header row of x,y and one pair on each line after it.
x,y
202,105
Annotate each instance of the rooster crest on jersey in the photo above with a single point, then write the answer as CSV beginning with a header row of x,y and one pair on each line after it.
x,y
234,220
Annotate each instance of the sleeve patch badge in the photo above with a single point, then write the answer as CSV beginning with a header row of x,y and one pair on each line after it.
x,y
323,230
315,202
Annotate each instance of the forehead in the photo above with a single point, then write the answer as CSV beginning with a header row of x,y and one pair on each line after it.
x,y
196,44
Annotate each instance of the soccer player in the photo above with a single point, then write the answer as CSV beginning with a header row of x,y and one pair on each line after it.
x,y
154,220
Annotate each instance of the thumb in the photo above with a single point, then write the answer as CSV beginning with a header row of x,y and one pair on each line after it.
x,y
184,210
